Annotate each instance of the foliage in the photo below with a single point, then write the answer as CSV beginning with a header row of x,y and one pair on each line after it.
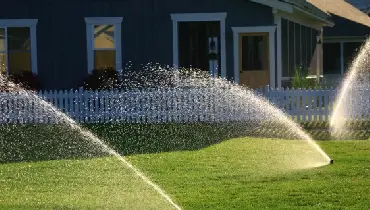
x,y
213,56
356,129
26,79
101,79
146,77
300,79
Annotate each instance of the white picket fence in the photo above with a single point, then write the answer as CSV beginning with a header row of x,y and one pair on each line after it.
x,y
164,105
305,105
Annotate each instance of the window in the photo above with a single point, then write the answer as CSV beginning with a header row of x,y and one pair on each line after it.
x,y
298,47
350,50
339,55
332,60
254,53
18,46
103,37
292,49
304,45
285,46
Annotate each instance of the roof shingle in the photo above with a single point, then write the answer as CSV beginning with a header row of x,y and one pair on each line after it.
x,y
343,9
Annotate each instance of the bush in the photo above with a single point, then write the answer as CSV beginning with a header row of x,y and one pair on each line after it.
x,y
101,79
300,79
26,79
148,77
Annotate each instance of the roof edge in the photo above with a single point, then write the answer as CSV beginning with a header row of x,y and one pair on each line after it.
x,y
275,4
289,7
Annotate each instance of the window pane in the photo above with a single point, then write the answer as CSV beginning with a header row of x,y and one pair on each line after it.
x,y
103,36
297,38
19,61
291,49
304,46
309,47
285,47
3,63
254,53
2,39
105,59
19,39
350,51
313,41
331,58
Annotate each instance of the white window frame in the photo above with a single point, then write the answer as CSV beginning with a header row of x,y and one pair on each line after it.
x,y
341,42
90,22
255,29
17,23
189,17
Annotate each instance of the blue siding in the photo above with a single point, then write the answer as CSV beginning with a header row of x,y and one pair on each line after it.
x,y
146,30
344,27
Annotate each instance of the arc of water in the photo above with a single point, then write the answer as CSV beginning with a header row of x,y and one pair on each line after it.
x,y
73,124
337,122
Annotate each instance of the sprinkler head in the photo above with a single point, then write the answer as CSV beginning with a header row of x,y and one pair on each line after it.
x,y
331,161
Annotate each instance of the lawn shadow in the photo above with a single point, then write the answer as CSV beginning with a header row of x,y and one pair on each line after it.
x,y
37,142
130,139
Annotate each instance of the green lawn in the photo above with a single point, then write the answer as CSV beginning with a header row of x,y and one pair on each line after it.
x,y
100,183
246,173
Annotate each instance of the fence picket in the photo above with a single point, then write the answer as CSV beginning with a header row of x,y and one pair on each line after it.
x,y
166,105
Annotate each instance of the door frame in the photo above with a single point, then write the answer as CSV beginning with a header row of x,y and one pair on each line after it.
x,y
196,17
255,29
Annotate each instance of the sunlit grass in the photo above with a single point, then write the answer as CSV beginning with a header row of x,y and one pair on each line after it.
x,y
247,174
100,183
236,174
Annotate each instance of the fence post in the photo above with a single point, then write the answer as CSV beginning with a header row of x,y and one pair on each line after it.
x,y
266,91
81,105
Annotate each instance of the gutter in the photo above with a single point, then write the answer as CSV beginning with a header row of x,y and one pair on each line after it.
x,y
308,8
326,21
289,7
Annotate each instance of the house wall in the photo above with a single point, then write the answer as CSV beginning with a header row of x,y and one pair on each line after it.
x,y
344,27
146,30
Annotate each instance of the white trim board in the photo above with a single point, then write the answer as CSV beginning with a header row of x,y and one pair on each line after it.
x,y
345,40
191,17
90,22
257,29
298,19
276,5
31,23
279,50
323,20
103,20
18,22
289,8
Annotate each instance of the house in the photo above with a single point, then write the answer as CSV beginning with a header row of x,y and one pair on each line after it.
x,y
343,41
253,42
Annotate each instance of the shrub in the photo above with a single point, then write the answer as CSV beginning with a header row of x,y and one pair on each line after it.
x,y
101,79
300,79
26,79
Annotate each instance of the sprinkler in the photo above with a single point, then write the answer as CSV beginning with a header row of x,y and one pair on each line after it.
x,y
331,161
